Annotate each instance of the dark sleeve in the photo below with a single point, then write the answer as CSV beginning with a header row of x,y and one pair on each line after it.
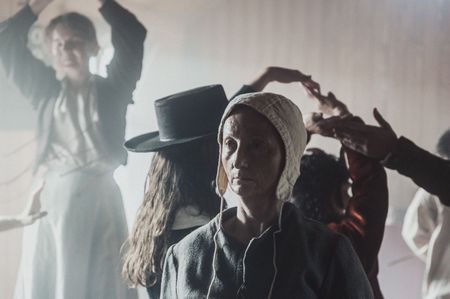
x,y
169,277
244,89
366,214
345,278
127,37
425,169
35,80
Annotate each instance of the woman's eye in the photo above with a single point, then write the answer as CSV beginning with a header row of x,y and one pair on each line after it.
x,y
229,144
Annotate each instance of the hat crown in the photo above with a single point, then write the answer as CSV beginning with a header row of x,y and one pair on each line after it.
x,y
183,117
191,113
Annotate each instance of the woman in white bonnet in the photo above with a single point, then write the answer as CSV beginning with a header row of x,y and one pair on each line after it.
x,y
263,248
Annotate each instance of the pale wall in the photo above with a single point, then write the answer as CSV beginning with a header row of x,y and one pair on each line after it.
x,y
392,54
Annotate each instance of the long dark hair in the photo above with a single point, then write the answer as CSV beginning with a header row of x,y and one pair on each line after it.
x,y
179,176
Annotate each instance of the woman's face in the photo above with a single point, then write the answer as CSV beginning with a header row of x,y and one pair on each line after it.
x,y
252,154
71,52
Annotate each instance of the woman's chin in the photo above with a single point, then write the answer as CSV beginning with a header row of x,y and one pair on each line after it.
x,y
243,190
72,72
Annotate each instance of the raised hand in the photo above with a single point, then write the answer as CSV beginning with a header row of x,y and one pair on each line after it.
x,y
314,124
37,6
33,210
328,105
283,75
371,141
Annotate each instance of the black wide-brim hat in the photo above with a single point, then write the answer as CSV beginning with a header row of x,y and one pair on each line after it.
x,y
183,117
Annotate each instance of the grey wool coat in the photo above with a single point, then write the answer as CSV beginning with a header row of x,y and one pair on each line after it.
x,y
300,259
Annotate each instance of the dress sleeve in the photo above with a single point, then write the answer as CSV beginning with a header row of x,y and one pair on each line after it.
x,y
420,222
36,81
366,214
127,37
169,277
426,170
345,278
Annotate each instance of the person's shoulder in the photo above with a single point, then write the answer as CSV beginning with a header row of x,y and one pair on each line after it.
x,y
202,237
310,230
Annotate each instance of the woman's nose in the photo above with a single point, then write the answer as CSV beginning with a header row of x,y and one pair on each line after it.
x,y
240,158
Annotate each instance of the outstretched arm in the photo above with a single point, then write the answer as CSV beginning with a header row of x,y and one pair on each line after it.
x,y
380,142
37,6
277,74
35,80
127,37
282,75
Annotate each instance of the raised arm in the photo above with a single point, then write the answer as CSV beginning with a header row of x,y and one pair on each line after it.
x,y
366,214
127,37
426,170
280,75
37,6
36,81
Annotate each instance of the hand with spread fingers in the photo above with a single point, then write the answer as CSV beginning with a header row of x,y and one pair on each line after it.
x,y
283,75
314,124
33,210
29,216
371,141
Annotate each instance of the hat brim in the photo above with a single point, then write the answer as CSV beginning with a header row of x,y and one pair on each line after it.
x,y
150,142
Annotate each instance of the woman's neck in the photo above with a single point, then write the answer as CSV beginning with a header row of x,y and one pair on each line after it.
x,y
78,79
252,220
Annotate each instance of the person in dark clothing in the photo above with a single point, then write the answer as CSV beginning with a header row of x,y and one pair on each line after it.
x,y
263,248
321,191
75,249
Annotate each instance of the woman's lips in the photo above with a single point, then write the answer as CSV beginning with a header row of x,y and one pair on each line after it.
x,y
240,179
68,64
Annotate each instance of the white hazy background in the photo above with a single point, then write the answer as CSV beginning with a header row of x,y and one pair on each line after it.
x,y
390,54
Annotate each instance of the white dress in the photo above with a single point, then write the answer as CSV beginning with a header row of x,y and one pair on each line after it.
x,y
74,252
426,230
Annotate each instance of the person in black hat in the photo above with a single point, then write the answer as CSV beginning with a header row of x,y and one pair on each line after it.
x,y
179,195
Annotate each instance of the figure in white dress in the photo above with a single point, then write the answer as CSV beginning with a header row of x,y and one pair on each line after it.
x,y
74,252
